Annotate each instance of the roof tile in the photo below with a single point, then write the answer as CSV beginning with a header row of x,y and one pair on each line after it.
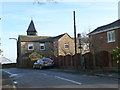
x,y
108,26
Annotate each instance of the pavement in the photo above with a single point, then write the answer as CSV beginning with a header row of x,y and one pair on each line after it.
x,y
7,83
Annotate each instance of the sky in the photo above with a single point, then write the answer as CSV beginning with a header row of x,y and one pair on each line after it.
x,y
51,19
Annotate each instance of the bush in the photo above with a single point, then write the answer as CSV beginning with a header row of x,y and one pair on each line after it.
x,y
116,54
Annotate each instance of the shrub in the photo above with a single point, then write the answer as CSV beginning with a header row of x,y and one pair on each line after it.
x,y
116,54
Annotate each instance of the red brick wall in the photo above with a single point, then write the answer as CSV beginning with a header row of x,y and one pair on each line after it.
x,y
118,36
100,43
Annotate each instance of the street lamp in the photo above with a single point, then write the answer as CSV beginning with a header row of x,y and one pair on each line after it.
x,y
16,42
13,38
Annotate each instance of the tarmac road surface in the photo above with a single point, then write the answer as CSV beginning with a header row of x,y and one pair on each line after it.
x,y
50,78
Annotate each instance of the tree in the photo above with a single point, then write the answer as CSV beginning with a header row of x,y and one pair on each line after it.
x,y
116,54
0,49
40,2
85,41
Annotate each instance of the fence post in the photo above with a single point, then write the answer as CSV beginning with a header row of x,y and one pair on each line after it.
x,y
110,60
94,61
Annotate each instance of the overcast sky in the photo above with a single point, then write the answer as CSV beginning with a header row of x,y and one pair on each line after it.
x,y
52,19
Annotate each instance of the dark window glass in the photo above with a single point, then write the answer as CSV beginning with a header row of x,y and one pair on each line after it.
x,y
30,47
66,46
42,47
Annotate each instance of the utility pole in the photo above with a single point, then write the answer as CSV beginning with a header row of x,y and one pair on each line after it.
x,y
75,33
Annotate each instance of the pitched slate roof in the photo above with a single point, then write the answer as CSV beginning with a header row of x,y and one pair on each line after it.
x,y
51,38
114,24
31,27
28,38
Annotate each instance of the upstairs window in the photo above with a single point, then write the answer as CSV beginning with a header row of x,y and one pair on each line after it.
x,y
111,36
42,46
66,45
30,46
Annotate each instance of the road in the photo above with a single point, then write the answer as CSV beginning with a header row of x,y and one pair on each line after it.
x,y
51,78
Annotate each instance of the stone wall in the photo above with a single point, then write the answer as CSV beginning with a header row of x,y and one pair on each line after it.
x,y
66,39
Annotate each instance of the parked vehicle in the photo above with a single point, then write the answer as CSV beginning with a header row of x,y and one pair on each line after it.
x,y
44,62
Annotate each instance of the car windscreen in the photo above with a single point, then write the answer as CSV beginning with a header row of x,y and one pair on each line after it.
x,y
47,59
38,61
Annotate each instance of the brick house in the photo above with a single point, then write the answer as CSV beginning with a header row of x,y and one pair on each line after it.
x,y
44,45
105,38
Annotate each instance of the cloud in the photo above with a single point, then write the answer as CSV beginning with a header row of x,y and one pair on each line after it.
x,y
15,17
59,1
103,8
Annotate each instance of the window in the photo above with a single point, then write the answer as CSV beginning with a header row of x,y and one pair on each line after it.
x,y
38,61
111,36
42,46
30,46
66,45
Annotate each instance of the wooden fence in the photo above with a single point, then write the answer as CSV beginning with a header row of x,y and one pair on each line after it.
x,y
101,60
89,60
68,61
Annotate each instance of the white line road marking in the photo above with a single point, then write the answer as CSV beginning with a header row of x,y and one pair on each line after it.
x,y
14,86
8,72
15,82
68,80
11,74
44,74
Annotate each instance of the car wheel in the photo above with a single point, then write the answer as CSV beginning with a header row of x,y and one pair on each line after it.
x,y
33,67
40,67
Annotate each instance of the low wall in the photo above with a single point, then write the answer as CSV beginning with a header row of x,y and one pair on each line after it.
x,y
9,65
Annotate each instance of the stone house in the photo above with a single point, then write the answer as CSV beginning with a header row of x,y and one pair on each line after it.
x,y
105,38
46,46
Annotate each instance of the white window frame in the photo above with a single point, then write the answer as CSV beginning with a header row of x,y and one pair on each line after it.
x,y
29,45
42,44
65,45
111,36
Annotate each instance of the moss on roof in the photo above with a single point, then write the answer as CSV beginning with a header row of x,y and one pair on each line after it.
x,y
25,38
29,38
